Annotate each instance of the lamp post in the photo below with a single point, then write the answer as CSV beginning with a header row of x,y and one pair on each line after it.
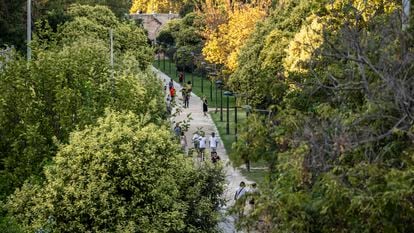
x,y
169,61
219,84
176,68
163,60
211,87
111,60
158,55
29,29
228,94
235,116
169,65
202,77
211,90
192,68
221,104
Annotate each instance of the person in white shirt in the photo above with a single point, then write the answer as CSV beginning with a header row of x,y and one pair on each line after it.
x,y
240,199
214,141
196,141
202,146
240,191
183,142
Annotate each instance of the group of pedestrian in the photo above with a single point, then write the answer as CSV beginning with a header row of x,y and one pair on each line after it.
x,y
200,142
186,93
245,195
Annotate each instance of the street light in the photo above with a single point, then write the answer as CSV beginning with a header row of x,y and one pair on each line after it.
x,y
221,104
235,116
169,65
176,68
228,94
169,60
202,77
219,84
163,59
29,29
158,55
211,87
192,67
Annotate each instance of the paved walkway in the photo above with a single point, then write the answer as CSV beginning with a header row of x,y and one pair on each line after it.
x,y
233,176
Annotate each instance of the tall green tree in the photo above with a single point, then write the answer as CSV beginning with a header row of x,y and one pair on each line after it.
x,y
123,174
182,39
67,85
341,126
13,16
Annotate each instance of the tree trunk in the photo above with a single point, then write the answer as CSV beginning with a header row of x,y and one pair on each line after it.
x,y
248,165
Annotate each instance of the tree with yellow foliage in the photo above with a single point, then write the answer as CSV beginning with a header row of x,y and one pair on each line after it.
x,y
222,46
303,45
159,6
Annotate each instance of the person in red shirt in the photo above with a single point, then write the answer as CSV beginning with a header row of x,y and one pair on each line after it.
x,y
172,93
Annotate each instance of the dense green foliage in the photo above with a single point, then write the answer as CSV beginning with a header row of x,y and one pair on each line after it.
x,y
66,86
13,16
85,146
124,174
184,36
336,82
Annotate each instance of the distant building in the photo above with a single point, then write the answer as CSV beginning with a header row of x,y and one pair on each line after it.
x,y
154,22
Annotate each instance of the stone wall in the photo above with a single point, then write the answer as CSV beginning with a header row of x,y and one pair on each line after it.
x,y
154,22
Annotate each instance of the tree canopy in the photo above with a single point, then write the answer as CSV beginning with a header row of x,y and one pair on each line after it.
x,y
338,136
85,145
123,174
67,85
13,16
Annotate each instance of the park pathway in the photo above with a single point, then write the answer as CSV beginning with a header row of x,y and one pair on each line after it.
x,y
233,176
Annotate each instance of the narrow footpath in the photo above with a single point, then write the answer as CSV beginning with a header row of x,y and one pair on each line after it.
x,y
233,176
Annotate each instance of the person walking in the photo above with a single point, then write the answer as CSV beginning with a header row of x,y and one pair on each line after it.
x,y
186,100
195,140
187,94
177,130
205,106
181,78
196,143
213,141
183,142
253,194
171,84
168,103
189,87
172,93
202,146
214,157
240,199
241,191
